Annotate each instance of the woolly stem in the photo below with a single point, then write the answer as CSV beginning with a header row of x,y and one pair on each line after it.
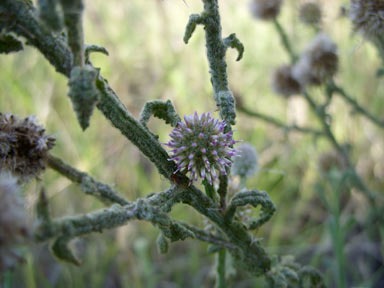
x,y
89,184
73,20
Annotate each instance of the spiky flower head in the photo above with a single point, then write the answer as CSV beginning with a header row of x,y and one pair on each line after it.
x,y
310,13
13,220
245,163
367,17
265,9
318,63
200,146
23,146
283,82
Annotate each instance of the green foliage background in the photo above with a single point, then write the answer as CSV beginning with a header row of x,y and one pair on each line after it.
x,y
148,60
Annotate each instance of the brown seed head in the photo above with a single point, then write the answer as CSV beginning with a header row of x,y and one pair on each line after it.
x,y
283,82
367,17
265,9
310,13
318,63
23,146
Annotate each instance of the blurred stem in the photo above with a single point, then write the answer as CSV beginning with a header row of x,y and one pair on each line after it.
x,y
277,123
220,269
322,117
340,149
339,90
285,40
336,228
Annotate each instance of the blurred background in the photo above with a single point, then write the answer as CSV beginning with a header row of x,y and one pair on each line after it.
x,y
149,60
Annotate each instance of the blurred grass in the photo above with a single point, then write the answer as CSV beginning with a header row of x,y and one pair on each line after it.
x,y
148,60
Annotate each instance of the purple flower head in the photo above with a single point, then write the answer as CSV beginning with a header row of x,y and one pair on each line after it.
x,y
200,146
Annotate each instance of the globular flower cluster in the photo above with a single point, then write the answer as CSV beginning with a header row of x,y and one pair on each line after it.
x,y
265,9
318,63
23,146
200,146
367,17
13,220
310,13
245,163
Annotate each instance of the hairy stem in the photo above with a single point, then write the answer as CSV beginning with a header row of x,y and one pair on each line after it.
x,y
89,184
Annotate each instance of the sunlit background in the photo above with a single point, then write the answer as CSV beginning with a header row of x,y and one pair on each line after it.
x,y
149,60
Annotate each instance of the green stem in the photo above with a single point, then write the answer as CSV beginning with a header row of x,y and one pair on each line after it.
x,y
285,41
220,269
332,85
277,123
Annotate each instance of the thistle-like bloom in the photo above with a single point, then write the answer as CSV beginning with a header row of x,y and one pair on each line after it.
x,y
265,9
246,163
200,146
318,63
367,17
23,146
13,220
310,13
283,82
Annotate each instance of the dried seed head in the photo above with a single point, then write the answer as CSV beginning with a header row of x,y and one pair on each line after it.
x,y
13,220
283,82
200,146
367,17
318,63
330,160
310,13
23,146
246,163
265,9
